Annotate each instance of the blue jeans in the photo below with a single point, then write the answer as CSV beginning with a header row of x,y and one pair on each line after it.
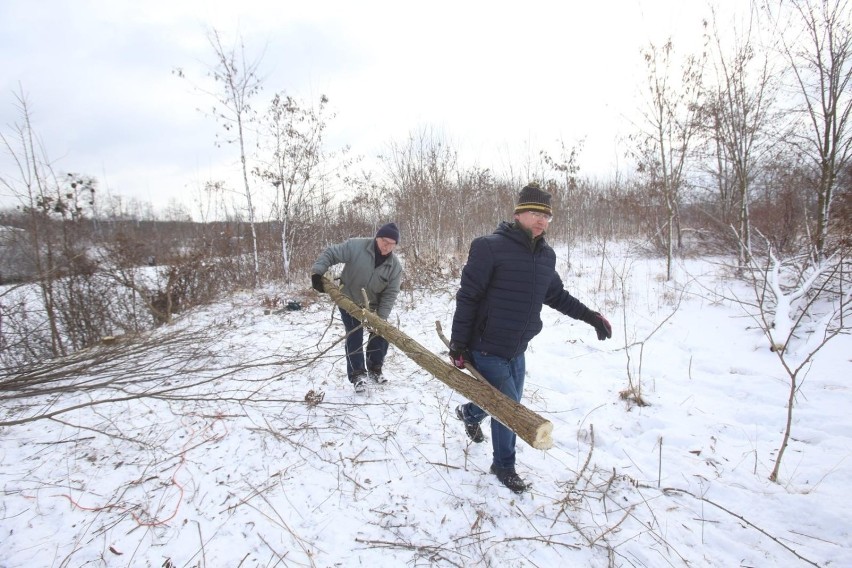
x,y
377,347
507,376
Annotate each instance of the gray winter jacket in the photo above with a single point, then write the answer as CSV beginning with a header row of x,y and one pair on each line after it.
x,y
360,271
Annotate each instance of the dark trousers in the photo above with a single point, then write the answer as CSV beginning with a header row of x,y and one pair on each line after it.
x,y
507,376
377,347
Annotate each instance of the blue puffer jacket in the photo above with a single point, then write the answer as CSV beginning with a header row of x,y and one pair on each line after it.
x,y
507,279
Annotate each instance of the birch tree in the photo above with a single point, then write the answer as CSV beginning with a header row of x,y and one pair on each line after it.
x,y
238,82
821,63
293,135
739,117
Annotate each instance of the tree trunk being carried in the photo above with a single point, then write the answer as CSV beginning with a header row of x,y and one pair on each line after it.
x,y
529,426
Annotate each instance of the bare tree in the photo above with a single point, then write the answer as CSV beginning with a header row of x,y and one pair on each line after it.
x,y
77,303
634,348
821,63
36,190
738,118
480,202
295,138
239,82
799,299
422,174
566,170
665,138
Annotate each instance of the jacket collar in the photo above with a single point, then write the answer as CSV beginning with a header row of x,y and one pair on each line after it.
x,y
518,233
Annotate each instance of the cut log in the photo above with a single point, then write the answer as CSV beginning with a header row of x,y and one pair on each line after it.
x,y
529,426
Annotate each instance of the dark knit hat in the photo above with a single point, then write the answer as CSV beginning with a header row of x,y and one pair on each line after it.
x,y
533,198
390,231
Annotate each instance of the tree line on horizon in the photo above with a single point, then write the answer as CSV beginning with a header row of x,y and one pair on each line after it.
x,y
741,149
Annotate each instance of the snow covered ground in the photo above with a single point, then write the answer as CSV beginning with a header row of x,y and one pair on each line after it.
x,y
232,438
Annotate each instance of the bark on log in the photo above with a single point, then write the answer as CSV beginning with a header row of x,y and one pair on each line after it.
x,y
529,426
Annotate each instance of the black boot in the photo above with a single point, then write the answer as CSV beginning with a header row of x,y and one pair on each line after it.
x,y
474,432
375,374
509,478
357,380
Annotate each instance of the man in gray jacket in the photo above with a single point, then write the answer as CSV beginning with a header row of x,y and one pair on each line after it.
x,y
370,265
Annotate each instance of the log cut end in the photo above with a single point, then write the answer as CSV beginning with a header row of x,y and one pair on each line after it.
x,y
543,439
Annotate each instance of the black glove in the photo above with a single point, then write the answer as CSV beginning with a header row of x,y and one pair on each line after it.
x,y
458,354
600,323
316,282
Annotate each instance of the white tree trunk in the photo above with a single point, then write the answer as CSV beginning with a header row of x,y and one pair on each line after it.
x,y
285,251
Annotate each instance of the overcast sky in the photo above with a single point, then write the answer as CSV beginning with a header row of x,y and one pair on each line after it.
x,y
494,77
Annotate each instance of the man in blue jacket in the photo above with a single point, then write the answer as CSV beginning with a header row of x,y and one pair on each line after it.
x,y
508,276
370,265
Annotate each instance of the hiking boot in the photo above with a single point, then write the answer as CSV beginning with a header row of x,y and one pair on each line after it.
x,y
510,479
474,432
376,375
358,382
